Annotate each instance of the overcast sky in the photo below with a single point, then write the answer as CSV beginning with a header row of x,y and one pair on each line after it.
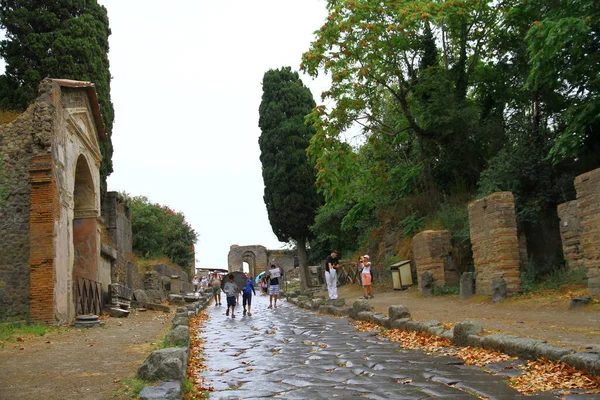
x,y
186,89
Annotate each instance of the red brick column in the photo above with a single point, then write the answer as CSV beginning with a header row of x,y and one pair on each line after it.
x,y
43,214
429,251
495,242
588,202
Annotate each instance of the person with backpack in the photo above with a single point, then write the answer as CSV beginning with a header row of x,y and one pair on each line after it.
x,y
247,294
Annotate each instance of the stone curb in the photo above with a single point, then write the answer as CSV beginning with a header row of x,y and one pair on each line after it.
x,y
466,333
179,334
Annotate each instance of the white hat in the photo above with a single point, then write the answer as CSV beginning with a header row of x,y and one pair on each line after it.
x,y
366,256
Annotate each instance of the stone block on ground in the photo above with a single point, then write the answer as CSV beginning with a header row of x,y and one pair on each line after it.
x,y
361,305
499,290
141,298
580,301
397,312
179,336
467,285
336,302
465,328
165,364
426,284
118,312
176,299
158,307
399,323
551,352
170,390
585,361
180,320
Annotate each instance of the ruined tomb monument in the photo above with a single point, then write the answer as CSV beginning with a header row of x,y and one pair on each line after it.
x,y
50,205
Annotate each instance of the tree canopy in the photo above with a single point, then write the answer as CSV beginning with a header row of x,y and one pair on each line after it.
x,y
159,231
455,99
290,194
56,39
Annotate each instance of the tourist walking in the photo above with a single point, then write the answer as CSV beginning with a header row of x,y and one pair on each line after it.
x,y
367,277
231,290
195,282
274,274
331,266
247,295
215,284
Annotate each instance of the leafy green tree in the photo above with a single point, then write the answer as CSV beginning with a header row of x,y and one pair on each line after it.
x,y
290,194
57,39
160,231
383,54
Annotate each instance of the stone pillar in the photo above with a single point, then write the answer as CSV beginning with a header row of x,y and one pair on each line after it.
x,y
431,250
495,242
570,234
43,214
588,203
175,284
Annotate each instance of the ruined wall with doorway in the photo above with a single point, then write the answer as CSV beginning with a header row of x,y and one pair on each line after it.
x,y
432,252
49,192
255,256
495,242
117,220
21,140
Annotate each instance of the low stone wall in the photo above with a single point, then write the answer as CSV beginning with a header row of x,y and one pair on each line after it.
x,y
169,365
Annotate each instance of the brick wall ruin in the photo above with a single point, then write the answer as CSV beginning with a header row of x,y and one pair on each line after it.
x,y
570,234
588,204
431,252
495,242
20,141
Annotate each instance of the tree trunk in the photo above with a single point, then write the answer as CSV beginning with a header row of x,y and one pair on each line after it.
x,y
303,263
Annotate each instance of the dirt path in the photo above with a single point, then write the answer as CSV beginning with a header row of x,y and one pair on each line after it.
x,y
541,317
80,363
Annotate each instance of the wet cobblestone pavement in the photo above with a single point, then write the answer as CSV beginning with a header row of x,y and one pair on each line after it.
x,y
291,353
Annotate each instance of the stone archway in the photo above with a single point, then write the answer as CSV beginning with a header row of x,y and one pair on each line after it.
x,y
255,256
85,226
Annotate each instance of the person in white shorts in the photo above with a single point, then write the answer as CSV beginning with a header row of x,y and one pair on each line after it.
x,y
274,274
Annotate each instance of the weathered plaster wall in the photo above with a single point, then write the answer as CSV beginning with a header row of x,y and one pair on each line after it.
x,y
588,203
495,242
431,252
27,136
570,234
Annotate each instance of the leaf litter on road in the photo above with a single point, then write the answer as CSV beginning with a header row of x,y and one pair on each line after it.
x,y
538,376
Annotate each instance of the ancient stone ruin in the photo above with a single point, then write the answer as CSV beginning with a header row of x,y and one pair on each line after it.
x,y
580,228
495,242
432,252
60,251
258,259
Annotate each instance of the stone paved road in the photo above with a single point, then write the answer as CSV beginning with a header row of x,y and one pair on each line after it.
x,y
291,353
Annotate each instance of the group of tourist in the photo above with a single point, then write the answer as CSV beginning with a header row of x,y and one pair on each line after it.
x,y
364,271
232,290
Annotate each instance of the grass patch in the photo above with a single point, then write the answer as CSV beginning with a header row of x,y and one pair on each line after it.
x,y
132,387
10,331
530,282
446,290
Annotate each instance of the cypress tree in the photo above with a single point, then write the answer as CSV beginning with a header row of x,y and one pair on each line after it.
x,y
290,194
56,39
